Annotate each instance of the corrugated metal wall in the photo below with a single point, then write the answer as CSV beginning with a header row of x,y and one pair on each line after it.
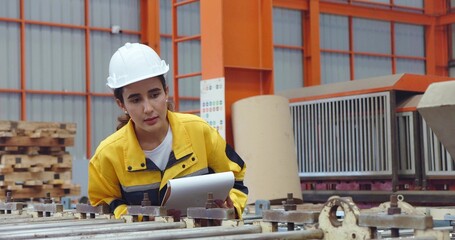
x,y
334,32
288,63
55,66
371,45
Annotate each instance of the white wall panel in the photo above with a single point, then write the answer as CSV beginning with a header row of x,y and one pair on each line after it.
x,y
287,27
106,13
288,69
188,19
165,17
10,106
55,58
334,68
189,57
9,8
368,66
409,40
58,108
187,88
334,32
410,66
104,119
10,55
102,46
59,11
409,3
371,36
166,55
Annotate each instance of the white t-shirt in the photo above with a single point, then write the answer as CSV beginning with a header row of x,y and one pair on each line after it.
x,y
160,155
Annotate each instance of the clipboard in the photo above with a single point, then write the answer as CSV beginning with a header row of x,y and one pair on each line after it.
x,y
186,192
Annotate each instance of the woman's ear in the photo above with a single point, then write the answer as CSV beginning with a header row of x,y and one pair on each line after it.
x,y
120,104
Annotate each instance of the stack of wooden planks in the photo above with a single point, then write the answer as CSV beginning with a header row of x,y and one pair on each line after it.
x,y
34,160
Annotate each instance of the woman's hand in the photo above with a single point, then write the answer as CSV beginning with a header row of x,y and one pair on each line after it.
x,y
224,204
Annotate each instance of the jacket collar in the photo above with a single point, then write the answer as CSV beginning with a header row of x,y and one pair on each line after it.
x,y
134,155
181,144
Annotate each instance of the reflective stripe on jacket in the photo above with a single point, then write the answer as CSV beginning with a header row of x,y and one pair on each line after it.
x,y
120,174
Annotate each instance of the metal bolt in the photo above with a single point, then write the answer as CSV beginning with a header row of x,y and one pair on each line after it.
x,y
392,210
8,196
146,201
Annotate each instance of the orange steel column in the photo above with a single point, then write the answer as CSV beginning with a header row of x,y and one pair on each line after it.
x,y
237,44
436,37
312,46
150,28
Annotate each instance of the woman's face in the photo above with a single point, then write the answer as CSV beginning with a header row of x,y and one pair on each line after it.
x,y
145,102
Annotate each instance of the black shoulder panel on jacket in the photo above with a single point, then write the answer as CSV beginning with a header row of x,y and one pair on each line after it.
x,y
231,154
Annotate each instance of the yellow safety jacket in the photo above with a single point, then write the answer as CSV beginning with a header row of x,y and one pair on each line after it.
x,y
120,173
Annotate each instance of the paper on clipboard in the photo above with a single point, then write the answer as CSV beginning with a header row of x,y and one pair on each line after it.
x,y
186,192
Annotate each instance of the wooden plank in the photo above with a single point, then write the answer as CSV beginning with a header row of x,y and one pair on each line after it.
x,y
43,142
43,176
27,193
6,169
37,129
26,161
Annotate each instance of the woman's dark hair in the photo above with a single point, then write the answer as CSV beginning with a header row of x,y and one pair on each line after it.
x,y
118,94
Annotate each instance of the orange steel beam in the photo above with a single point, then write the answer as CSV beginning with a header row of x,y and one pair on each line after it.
x,y
372,54
312,46
189,75
150,23
88,102
390,5
22,61
446,19
436,37
375,13
187,38
237,45
292,4
177,4
175,55
62,25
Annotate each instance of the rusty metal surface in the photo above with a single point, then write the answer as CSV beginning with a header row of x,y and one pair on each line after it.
x,y
5,228
395,221
177,233
211,213
87,208
296,216
147,210
345,228
10,206
303,234
99,228
219,223
25,219
48,207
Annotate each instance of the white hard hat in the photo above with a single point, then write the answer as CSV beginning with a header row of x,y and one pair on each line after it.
x,y
134,62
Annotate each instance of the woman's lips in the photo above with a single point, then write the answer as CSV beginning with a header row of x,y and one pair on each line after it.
x,y
151,121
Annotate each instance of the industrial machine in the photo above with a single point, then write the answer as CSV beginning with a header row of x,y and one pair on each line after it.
x,y
366,139
337,218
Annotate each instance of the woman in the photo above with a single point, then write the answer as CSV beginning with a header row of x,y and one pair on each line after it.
x,y
155,144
